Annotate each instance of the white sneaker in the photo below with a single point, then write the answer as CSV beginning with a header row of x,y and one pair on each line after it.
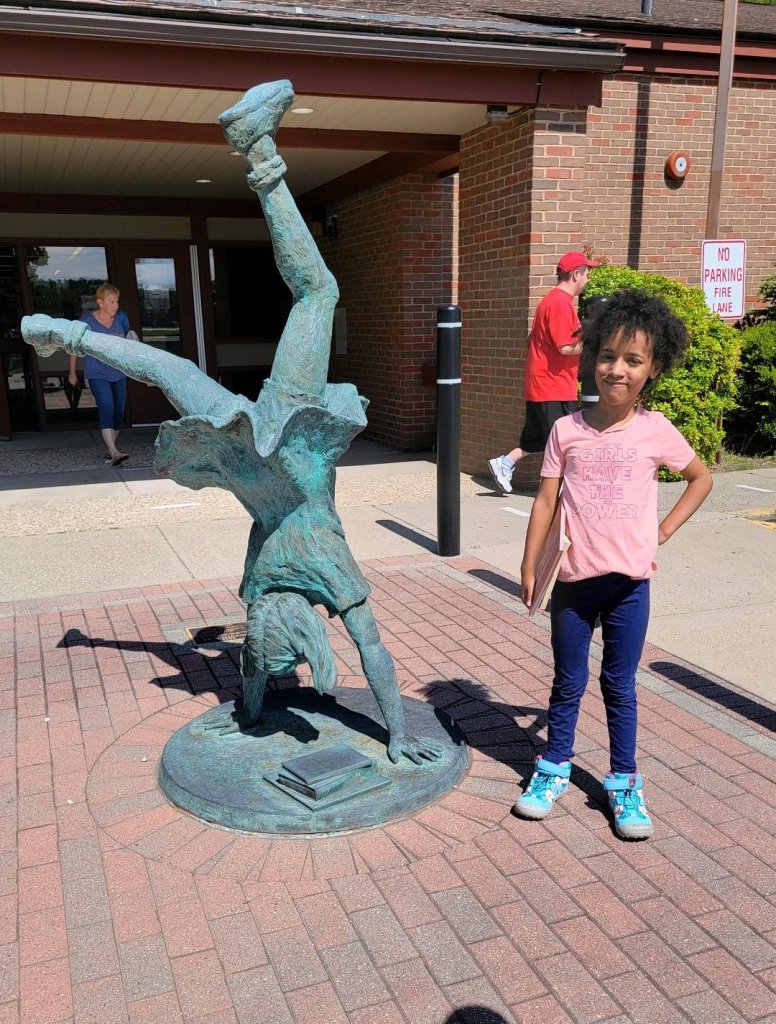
x,y
501,473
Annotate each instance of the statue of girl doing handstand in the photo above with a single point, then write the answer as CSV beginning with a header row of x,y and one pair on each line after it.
x,y
276,455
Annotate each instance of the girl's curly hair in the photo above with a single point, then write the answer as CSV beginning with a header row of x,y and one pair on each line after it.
x,y
625,314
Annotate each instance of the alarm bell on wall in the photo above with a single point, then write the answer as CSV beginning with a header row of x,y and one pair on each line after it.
x,y
677,165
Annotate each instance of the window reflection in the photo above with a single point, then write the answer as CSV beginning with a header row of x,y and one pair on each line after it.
x,y
63,280
158,296
15,359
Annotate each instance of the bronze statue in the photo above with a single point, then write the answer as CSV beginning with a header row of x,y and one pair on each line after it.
x,y
276,455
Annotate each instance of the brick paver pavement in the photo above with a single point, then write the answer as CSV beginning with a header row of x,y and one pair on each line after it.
x,y
115,907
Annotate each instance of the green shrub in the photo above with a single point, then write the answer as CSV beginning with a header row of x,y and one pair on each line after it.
x,y
697,394
761,313
752,426
768,295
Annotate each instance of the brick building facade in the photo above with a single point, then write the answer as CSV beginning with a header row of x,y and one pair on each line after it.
x,y
434,200
390,299
549,180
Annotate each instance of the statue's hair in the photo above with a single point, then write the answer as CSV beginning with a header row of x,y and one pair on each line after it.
x,y
283,631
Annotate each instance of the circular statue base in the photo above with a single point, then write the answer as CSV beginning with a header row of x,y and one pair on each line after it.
x,y
263,781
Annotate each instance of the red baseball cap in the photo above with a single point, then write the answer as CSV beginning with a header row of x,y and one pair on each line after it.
x,y
573,261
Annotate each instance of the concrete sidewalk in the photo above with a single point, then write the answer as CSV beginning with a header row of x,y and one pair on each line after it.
x,y
78,526
115,908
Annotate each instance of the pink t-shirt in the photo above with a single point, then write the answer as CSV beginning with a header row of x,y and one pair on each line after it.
x,y
610,490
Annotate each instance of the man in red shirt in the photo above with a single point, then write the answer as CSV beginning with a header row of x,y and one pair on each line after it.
x,y
551,368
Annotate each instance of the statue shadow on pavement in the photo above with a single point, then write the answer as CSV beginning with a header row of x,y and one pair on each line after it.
x,y
516,751
294,687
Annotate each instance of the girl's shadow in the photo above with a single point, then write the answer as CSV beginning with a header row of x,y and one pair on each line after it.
x,y
514,740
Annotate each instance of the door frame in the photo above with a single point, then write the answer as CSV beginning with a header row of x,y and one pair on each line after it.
x,y
142,408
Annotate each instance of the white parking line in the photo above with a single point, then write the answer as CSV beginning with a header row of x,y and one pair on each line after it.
x,y
746,487
516,511
183,504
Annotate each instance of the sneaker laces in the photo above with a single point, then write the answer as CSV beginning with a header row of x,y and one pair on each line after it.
x,y
540,780
630,799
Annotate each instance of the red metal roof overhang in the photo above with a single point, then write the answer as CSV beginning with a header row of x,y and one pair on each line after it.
x,y
563,70
658,53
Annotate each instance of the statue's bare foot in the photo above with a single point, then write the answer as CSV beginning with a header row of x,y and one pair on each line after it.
x,y
266,174
417,749
258,113
48,336
238,720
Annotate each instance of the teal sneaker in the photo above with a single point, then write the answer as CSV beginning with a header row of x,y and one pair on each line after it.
x,y
626,800
548,782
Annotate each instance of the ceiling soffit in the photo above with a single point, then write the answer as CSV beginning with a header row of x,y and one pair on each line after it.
x,y
376,116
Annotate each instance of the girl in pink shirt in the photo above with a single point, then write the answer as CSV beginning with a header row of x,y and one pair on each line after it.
x,y
607,458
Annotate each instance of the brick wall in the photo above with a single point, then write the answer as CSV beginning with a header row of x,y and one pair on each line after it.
x,y
637,216
521,185
551,180
393,264
546,181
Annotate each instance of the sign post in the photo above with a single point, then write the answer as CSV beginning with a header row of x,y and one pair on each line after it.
x,y
723,276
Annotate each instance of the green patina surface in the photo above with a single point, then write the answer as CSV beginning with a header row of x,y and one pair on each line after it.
x,y
297,721
276,455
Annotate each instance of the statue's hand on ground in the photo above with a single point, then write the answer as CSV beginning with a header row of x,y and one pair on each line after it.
x,y
417,749
228,723
48,336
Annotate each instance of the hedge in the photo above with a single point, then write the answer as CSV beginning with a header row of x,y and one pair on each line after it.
x,y
752,426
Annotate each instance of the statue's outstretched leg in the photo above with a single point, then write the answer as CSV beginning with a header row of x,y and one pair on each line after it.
x,y
302,358
381,676
190,390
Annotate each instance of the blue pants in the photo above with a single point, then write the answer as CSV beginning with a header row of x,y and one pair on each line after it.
x,y
623,607
111,397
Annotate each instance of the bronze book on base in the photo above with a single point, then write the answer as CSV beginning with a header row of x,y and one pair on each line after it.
x,y
550,557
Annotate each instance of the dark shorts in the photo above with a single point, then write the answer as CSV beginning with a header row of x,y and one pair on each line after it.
x,y
539,418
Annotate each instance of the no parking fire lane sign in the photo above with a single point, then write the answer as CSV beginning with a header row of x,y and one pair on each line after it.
x,y
723,276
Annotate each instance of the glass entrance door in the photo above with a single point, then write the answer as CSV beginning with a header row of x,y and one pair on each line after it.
x,y
17,392
62,281
156,293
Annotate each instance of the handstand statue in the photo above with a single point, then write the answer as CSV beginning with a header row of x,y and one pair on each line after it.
x,y
276,455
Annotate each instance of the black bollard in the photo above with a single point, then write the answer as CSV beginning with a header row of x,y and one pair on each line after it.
x,y
449,430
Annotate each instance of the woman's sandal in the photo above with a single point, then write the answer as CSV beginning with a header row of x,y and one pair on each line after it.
x,y
119,459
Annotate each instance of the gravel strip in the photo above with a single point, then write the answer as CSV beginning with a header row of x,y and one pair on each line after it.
x,y
69,460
